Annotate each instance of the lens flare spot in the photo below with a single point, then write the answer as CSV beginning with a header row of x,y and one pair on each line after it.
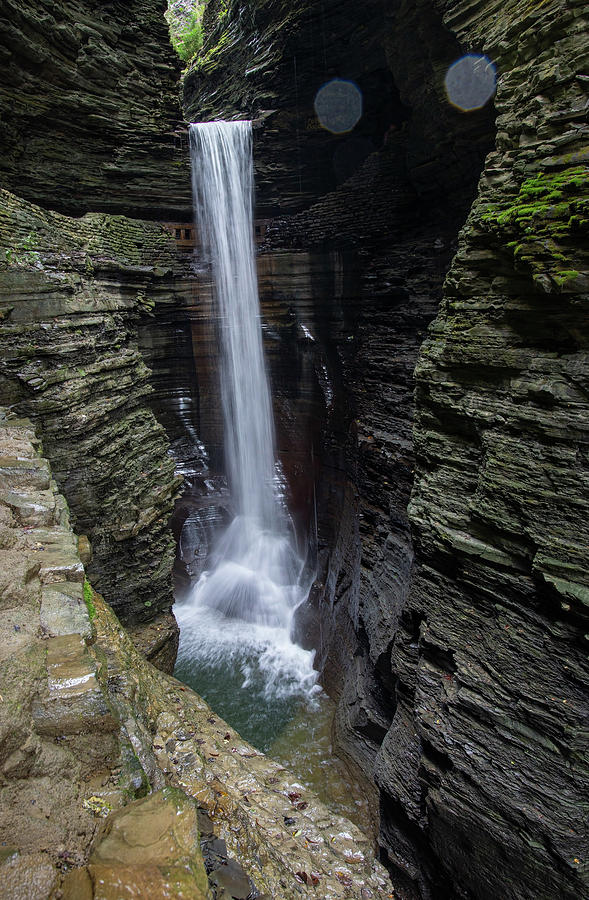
x,y
338,105
470,82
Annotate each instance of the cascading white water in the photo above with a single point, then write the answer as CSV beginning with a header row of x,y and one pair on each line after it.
x,y
254,574
222,184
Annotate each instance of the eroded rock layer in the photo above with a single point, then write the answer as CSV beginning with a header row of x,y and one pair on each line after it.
x,y
91,731
72,293
89,108
452,629
486,756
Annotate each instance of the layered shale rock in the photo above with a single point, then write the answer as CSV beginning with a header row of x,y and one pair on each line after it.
x,y
458,628
89,108
72,294
90,123
486,758
452,631
266,61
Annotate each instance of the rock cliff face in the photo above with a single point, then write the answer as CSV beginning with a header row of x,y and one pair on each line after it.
x,y
485,755
450,604
456,620
89,114
266,61
88,105
90,731
72,294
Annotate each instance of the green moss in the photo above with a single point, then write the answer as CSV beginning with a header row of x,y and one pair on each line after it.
x,y
568,275
23,253
146,304
89,599
185,26
542,224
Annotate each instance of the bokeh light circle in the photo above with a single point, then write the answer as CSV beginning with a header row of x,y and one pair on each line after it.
x,y
338,105
470,82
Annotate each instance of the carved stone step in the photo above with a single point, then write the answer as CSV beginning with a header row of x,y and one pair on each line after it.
x,y
63,610
16,472
74,702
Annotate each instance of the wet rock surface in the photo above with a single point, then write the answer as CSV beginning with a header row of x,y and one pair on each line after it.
x,y
50,678
459,617
249,799
491,678
149,849
452,632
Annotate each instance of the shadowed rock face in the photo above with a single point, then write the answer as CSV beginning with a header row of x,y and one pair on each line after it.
x,y
483,755
112,772
267,61
89,103
451,625
88,106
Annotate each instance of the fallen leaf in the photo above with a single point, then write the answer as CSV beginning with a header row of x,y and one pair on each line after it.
x,y
98,806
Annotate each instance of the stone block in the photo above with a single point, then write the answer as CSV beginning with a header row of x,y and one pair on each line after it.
x,y
150,849
63,610
31,508
74,701
16,472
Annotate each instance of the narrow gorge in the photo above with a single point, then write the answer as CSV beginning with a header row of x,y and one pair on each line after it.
x,y
294,604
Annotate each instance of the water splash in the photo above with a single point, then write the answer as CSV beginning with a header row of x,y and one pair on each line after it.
x,y
242,605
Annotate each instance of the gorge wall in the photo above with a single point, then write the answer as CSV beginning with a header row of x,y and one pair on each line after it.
x,y
89,129
490,659
89,108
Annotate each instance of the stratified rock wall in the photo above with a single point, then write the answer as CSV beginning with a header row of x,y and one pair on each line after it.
x,y
89,125
88,104
486,758
89,730
266,60
71,294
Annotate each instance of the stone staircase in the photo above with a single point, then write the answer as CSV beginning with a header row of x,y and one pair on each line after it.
x,y
71,699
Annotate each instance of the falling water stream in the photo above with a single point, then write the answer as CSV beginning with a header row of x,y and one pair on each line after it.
x,y
235,624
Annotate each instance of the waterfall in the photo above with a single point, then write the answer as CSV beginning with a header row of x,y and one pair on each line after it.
x,y
243,603
222,183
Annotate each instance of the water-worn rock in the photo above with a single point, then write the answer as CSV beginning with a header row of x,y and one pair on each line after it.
x,y
89,105
246,795
70,360
459,640
149,849
485,758
56,727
